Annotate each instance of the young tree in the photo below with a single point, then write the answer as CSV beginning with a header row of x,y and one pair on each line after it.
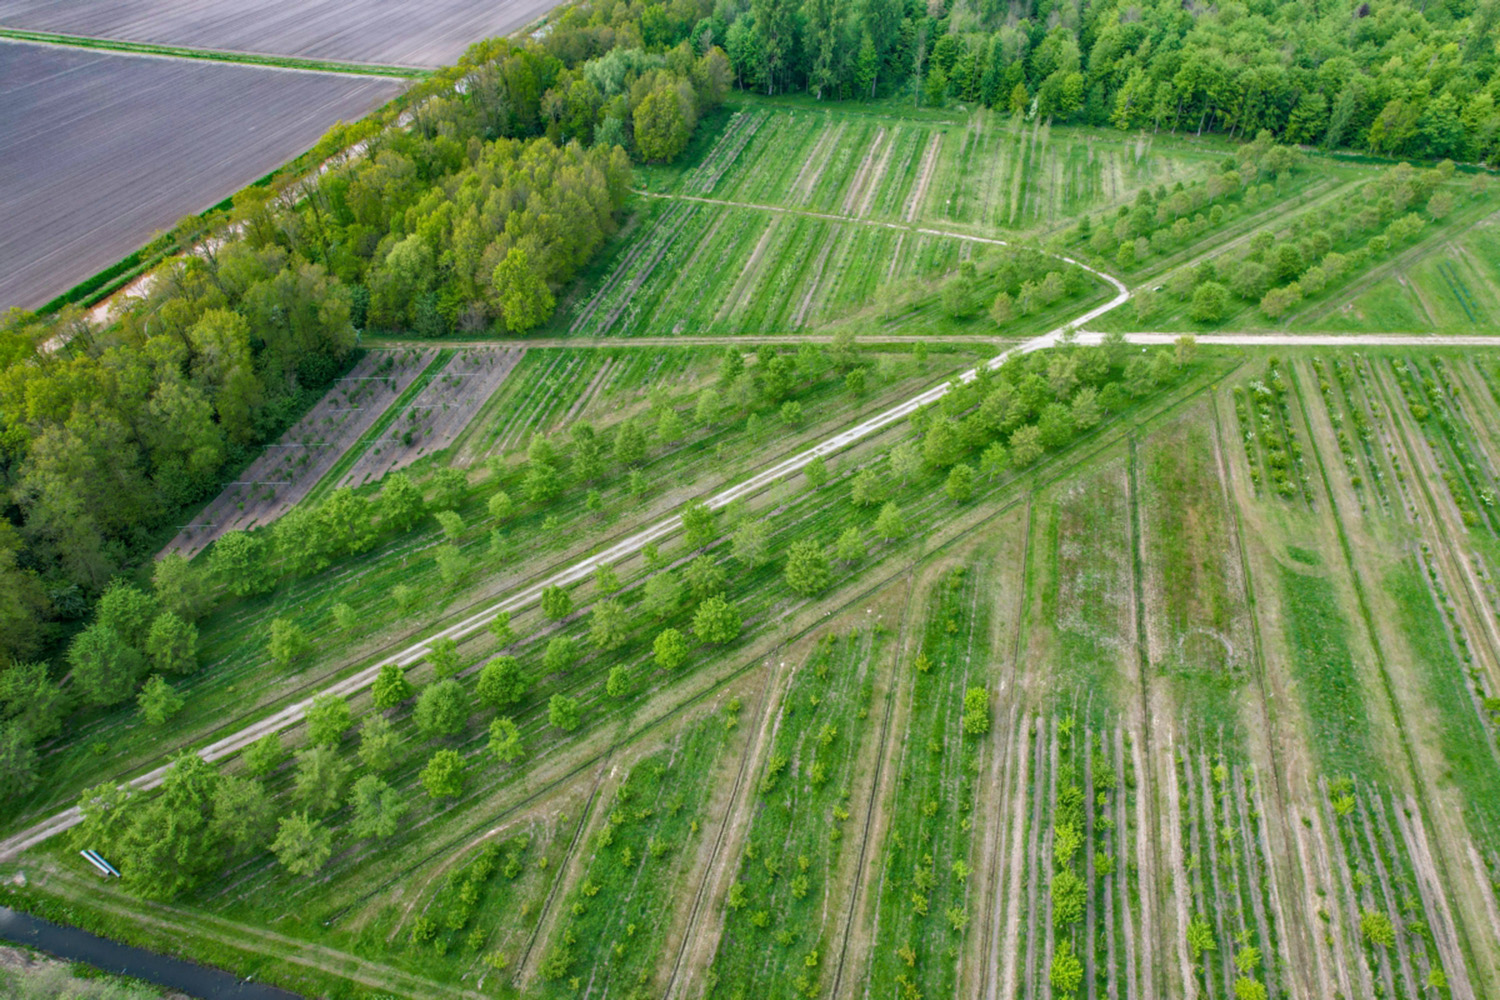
x,y
452,524
237,563
264,756
327,720
705,576
181,587
1210,299
500,628
994,460
243,815
158,701
505,741
556,603
401,503
319,782
850,548
890,523
855,382
288,643
391,687
906,461
606,581
609,625
751,543
807,571
378,808
378,742
716,620
443,655
32,701
443,777
960,484
451,564
1067,971
1025,446
670,649
662,595
344,618
816,472
697,525
559,655
976,711
867,488
105,668
500,506
617,685
502,682
18,760
564,712
442,709
302,845
521,291
128,611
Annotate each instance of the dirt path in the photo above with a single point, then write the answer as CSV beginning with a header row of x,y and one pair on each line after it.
x,y
924,178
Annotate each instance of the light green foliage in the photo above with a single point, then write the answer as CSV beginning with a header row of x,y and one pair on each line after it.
x,y
378,743
505,740
609,625
302,845
560,653
670,649
1200,937
816,472
960,483
442,709
443,777
319,783
1246,988
617,684
705,576
327,720
556,603
502,682
751,543
501,629
661,595
564,712
807,570
850,547
1066,975
158,701
391,687
264,755
500,505
891,523
443,655
1377,929
976,719
288,643
716,620
378,808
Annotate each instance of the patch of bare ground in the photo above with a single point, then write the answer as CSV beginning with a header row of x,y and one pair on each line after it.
x,y
1435,901
814,282
289,469
748,274
806,181
438,415
854,196
875,179
699,937
924,178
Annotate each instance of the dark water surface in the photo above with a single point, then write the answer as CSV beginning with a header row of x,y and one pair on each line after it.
x,y
174,973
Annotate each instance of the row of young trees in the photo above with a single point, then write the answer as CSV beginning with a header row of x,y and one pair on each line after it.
x,y
1398,78
465,206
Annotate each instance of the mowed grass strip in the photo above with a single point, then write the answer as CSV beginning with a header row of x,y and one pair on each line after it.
x,y
1317,636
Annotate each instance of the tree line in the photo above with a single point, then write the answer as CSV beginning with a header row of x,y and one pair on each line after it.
x,y
1394,77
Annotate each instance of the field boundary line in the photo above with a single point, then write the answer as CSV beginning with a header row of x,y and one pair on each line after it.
x,y
256,60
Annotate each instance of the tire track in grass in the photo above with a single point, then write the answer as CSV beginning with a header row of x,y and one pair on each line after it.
x,y
524,969
924,178
1010,761
771,695
1143,747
